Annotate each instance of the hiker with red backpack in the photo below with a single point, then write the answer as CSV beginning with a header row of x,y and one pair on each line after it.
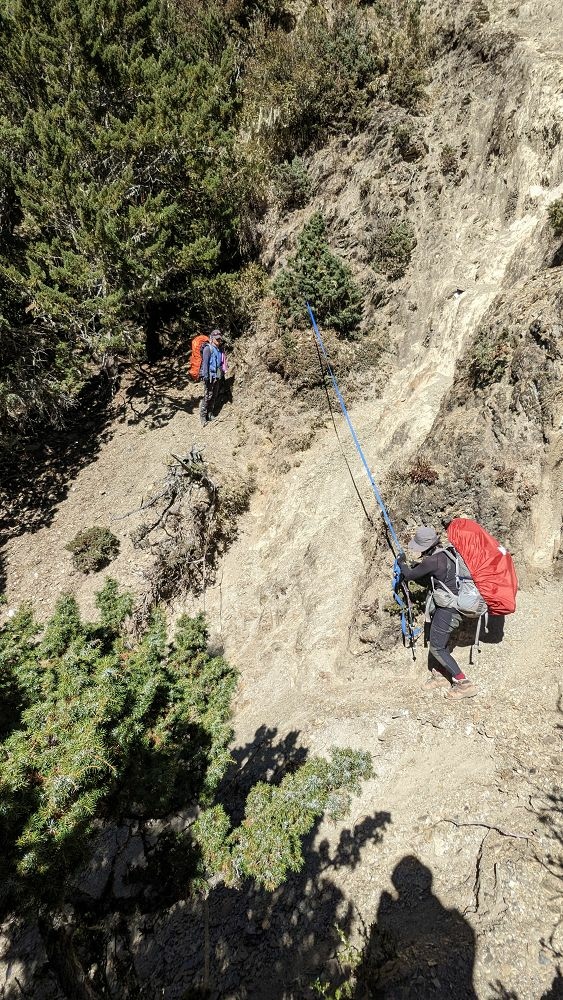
x,y
438,568
211,374
469,576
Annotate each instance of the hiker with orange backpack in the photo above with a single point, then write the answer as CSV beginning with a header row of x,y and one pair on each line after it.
x,y
196,350
211,374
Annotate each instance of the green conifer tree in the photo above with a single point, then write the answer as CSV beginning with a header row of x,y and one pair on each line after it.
x,y
115,195
315,275
95,728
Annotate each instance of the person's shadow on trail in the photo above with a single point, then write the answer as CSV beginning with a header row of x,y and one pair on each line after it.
x,y
417,948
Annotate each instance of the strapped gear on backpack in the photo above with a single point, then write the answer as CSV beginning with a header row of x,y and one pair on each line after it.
x,y
486,573
467,600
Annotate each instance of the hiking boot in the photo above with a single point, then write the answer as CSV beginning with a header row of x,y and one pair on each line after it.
x,y
462,689
434,681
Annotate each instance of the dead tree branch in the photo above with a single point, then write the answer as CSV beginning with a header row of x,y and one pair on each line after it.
x,y
489,826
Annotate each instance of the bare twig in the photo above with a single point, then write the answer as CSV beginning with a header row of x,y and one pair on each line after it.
x,y
182,535
483,732
182,461
144,506
558,875
489,826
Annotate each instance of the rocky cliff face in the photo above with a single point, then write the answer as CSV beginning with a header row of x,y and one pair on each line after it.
x,y
462,407
495,449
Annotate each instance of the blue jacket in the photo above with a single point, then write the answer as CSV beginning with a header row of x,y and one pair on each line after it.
x,y
210,363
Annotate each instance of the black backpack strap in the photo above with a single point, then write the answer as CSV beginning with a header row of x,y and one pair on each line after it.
x,y
451,554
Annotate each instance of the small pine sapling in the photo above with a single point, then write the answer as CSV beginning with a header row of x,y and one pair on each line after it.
x,y
314,274
555,213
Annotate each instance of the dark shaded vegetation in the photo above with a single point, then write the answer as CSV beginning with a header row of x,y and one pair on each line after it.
x,y
392,246
555,213
115,165
292,187
409,143
449,164
422,472
37,468
102,728
101,734
490,360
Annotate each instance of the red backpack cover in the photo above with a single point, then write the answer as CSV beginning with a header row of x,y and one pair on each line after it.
x,y
489,563
198,343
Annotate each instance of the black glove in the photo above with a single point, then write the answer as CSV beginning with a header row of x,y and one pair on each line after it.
x,y
401,559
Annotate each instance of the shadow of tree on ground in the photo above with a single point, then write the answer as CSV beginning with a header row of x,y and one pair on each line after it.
x,y
261,945
554,992
156,392
134,922
37,476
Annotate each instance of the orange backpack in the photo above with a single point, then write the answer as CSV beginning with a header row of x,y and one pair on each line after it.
x,y
198,343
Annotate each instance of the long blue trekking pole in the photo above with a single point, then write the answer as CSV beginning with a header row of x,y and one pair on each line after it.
x,y
410,633
397,545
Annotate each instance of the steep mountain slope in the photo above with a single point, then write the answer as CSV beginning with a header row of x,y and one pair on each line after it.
x,y
477,236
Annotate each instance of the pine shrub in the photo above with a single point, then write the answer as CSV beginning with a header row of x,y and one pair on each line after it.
x,y
392,246
409,143
316,275
292,186
555,213
93,548
116,188
103,727
448,160
267,844
126,192
490,358
313,80
406,55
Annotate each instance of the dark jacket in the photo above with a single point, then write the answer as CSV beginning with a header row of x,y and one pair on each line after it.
x,y
437,565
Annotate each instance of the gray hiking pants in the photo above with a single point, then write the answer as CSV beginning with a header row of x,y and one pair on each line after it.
x,y
209,400
444,622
